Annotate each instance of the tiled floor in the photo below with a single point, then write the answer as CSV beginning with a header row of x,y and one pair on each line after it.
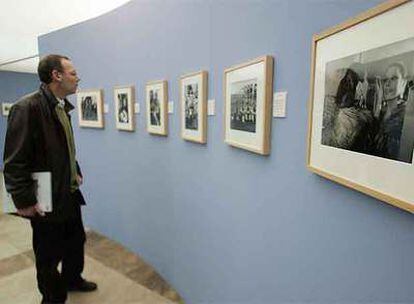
x,y
123,277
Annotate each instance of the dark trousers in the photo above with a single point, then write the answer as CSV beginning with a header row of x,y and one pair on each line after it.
x,y
55,242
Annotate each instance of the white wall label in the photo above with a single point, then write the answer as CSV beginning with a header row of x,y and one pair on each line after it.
x,y
170,107
106,108
211,107
137,109
279,104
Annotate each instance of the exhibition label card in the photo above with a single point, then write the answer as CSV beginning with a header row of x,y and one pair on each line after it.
x,y
211,107
279,104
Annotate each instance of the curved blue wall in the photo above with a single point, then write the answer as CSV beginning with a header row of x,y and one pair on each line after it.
x,y
223,225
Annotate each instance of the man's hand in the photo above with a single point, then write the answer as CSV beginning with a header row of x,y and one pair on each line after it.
x,y
31,211
79,179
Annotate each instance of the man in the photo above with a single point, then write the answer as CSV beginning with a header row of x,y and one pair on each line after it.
x,y
395,138
39,138
395,84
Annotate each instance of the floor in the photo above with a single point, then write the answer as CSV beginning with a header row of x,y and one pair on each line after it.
x,y
122,277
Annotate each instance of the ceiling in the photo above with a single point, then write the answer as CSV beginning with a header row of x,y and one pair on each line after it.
x,y
22,21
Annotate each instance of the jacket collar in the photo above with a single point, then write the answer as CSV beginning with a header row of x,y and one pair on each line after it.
x,y
51,99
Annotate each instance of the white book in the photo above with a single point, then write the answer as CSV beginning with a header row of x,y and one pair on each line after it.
x,y
44,193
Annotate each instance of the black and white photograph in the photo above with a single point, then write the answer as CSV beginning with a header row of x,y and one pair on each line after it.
x,y
243,105
191,106
369,102
155,108
156,94
193,109
124,102
90,109
123,111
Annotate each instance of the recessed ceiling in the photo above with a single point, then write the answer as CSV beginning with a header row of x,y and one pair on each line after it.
x,y
22,21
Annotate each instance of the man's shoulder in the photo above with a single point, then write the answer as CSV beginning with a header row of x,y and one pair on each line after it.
x,y
29,99
29,102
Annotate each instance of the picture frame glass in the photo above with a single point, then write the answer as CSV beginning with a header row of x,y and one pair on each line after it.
x,y
156,108
245,106
90,109
124,111
193,107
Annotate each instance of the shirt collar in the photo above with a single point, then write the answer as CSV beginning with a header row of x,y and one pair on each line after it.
x,y
53,101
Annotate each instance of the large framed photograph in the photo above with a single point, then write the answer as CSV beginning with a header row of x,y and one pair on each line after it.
x,y
124,98
193,101
157,111
361,107
90,109
248,90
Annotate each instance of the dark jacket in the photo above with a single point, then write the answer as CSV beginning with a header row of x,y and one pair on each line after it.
x,y
36,142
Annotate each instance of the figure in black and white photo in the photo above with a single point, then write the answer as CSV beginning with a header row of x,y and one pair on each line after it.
x,y
123,113
243,105
191,106
89,108
369,102
155,109
362,91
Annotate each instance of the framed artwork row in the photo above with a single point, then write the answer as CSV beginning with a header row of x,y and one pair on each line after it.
x,y
361,105
248,90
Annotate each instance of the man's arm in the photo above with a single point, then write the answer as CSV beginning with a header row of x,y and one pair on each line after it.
x,y
17,156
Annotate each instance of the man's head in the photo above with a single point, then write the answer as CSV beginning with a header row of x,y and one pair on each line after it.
x,y
394,80
59,74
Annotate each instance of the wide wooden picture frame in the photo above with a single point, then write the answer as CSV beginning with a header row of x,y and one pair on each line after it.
x,y
90,108
193,107
124,100
361,105
248,91
156,96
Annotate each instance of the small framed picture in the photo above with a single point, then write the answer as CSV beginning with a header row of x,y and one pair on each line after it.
x,y
361,105
5,108
193,101
248,90
124,97
157,111
90,109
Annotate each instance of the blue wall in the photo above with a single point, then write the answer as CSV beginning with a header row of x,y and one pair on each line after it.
x,y
223,225
13,86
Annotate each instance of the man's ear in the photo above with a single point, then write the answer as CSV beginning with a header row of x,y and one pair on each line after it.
x,y
56,75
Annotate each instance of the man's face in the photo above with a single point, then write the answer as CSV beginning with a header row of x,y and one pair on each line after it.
x,y
69,78
393,78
